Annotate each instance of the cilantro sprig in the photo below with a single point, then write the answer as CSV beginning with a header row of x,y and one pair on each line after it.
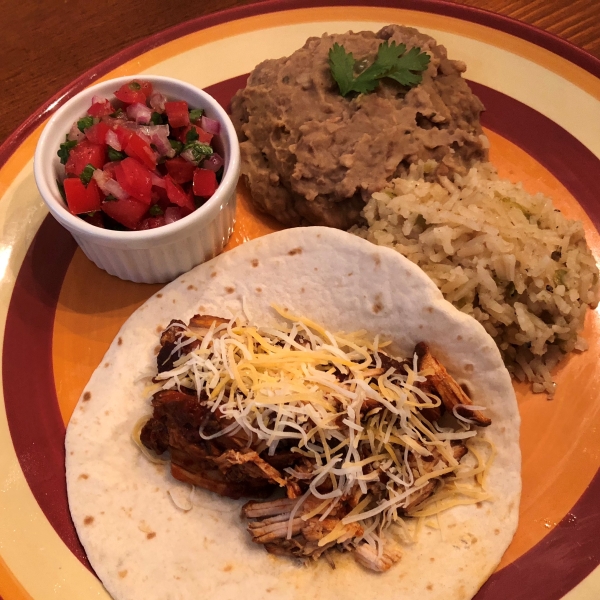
x,y
392,61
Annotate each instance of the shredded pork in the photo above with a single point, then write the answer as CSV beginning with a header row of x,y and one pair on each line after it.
x,y
359,443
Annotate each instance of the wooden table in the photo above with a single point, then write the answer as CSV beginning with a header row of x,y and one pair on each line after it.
x,y
46,45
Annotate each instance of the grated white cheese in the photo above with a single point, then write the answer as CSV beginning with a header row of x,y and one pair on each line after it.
x,y
303,383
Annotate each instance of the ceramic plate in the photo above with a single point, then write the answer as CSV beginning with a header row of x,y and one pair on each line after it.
x,y
58,312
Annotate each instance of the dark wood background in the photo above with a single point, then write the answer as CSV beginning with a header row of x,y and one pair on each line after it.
x,y
44,45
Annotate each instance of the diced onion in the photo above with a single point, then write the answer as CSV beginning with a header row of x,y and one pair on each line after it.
x,y
210,125
213,163
108,185
113,141
157,102
139,112
172,214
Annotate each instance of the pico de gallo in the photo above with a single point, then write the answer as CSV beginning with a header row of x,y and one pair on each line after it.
x,y
139,161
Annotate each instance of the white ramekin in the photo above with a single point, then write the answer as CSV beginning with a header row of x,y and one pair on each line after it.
x,y
154,255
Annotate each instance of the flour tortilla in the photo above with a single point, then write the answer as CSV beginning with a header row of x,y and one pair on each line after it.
x,y
142,546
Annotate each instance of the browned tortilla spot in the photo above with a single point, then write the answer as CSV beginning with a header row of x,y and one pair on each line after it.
x,y
459,337
295,251
258,290
429,309
88,520
159,295
150,535
213,274
469,368
316,268
106,365
157,349
230,289
479,504
228,567
87,396
83,476
123,573
192,287
377,260
377,307
350,274
159,329
496,532
174,301
302,290
254,262
432,559
119,341
429,586
106,413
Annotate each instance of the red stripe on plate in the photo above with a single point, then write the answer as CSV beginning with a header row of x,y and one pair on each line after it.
x,y
524,31
32,411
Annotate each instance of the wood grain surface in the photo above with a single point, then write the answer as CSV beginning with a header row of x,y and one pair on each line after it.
x,y
46,45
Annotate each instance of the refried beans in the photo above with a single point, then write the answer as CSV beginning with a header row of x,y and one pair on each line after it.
x,y
311,156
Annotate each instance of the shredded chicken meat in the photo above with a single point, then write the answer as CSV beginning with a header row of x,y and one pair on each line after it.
x,y
210,446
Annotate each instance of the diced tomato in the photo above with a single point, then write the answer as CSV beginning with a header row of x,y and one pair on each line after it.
x,y
135,179
97,133
134,91
205,183
177,195
145,87
123,135
177,114
179,169
128,212
203,136
83,154
82,199
109,168
152,223
141,150
100,109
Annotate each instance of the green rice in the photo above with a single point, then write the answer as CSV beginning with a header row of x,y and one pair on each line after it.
x,y
499,254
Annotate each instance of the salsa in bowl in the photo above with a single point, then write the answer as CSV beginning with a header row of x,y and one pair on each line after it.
x,y
147,189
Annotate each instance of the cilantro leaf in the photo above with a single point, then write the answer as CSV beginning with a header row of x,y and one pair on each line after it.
x,y
341,64
392,61
191,135
84,123
65,149
86,174
155,210
195,114
409,67
114,155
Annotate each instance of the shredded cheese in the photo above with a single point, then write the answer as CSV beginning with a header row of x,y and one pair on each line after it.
x,y
358,426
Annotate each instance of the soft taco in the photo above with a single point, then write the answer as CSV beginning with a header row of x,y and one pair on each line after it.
x,y
149,535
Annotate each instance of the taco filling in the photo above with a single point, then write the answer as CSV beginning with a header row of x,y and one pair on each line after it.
x,y
356,447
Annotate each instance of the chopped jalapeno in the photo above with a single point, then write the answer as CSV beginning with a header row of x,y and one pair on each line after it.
x,y
155,210
134,85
